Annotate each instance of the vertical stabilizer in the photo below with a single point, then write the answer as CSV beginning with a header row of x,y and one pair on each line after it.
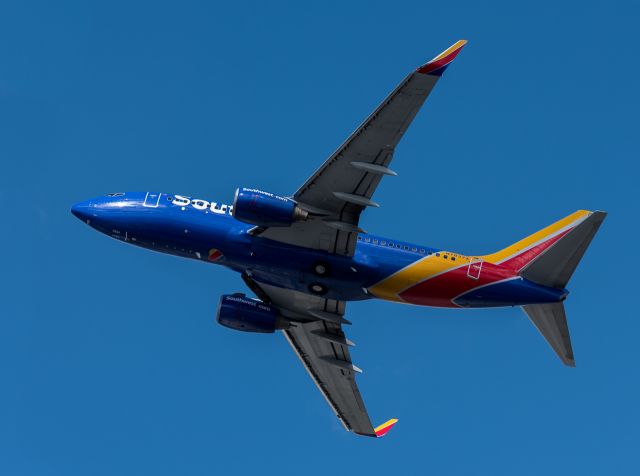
x,y
555,265
551,321
551,255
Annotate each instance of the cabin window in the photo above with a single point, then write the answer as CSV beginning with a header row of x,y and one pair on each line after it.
x,y
383,242
453,258
375,242
367,240
422,251
414,249
445,257
390,244
406,247
359,238
398,246
437,254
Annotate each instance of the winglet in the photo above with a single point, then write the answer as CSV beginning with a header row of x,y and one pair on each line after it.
x,y
385,427
438,64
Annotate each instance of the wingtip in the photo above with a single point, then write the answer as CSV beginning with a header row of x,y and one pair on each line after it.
x,y
438,64
383,429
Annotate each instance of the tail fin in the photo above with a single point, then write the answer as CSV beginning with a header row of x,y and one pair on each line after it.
x,y
550,256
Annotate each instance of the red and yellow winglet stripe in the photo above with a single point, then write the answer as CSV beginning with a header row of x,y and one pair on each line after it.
x,y
437,65
383,429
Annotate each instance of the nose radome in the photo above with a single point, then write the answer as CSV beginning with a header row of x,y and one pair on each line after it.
x,y
82,210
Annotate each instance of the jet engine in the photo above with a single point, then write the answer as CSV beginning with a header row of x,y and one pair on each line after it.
x,y
265,209
241,313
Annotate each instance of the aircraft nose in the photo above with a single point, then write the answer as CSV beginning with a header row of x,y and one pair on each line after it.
x,y
82,210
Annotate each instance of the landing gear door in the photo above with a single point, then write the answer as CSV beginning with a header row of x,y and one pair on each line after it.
x,y
475,268
152,200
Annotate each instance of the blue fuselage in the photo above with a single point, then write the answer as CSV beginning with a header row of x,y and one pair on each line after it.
x,y
206,231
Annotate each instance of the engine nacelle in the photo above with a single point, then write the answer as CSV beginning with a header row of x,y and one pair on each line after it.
x,y
241,313
265,209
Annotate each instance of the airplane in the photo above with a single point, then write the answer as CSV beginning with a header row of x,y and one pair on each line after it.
x,y
304,256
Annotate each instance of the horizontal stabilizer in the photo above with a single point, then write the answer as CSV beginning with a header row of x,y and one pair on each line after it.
x,y
551,321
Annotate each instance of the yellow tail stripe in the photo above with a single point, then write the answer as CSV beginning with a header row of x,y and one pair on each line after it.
x,y
539,236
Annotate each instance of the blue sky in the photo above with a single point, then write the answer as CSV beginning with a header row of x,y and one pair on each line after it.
x,y
110,359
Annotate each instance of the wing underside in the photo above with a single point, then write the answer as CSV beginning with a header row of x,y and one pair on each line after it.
x,y
329,365
317,337
338,192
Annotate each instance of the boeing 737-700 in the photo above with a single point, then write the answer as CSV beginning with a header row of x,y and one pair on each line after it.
x,y
304,256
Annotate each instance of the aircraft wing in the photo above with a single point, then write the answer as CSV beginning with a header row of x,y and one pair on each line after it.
x,y
343,186
319,342
324,351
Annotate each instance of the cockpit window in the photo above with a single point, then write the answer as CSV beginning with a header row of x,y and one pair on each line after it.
x,y
118,194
